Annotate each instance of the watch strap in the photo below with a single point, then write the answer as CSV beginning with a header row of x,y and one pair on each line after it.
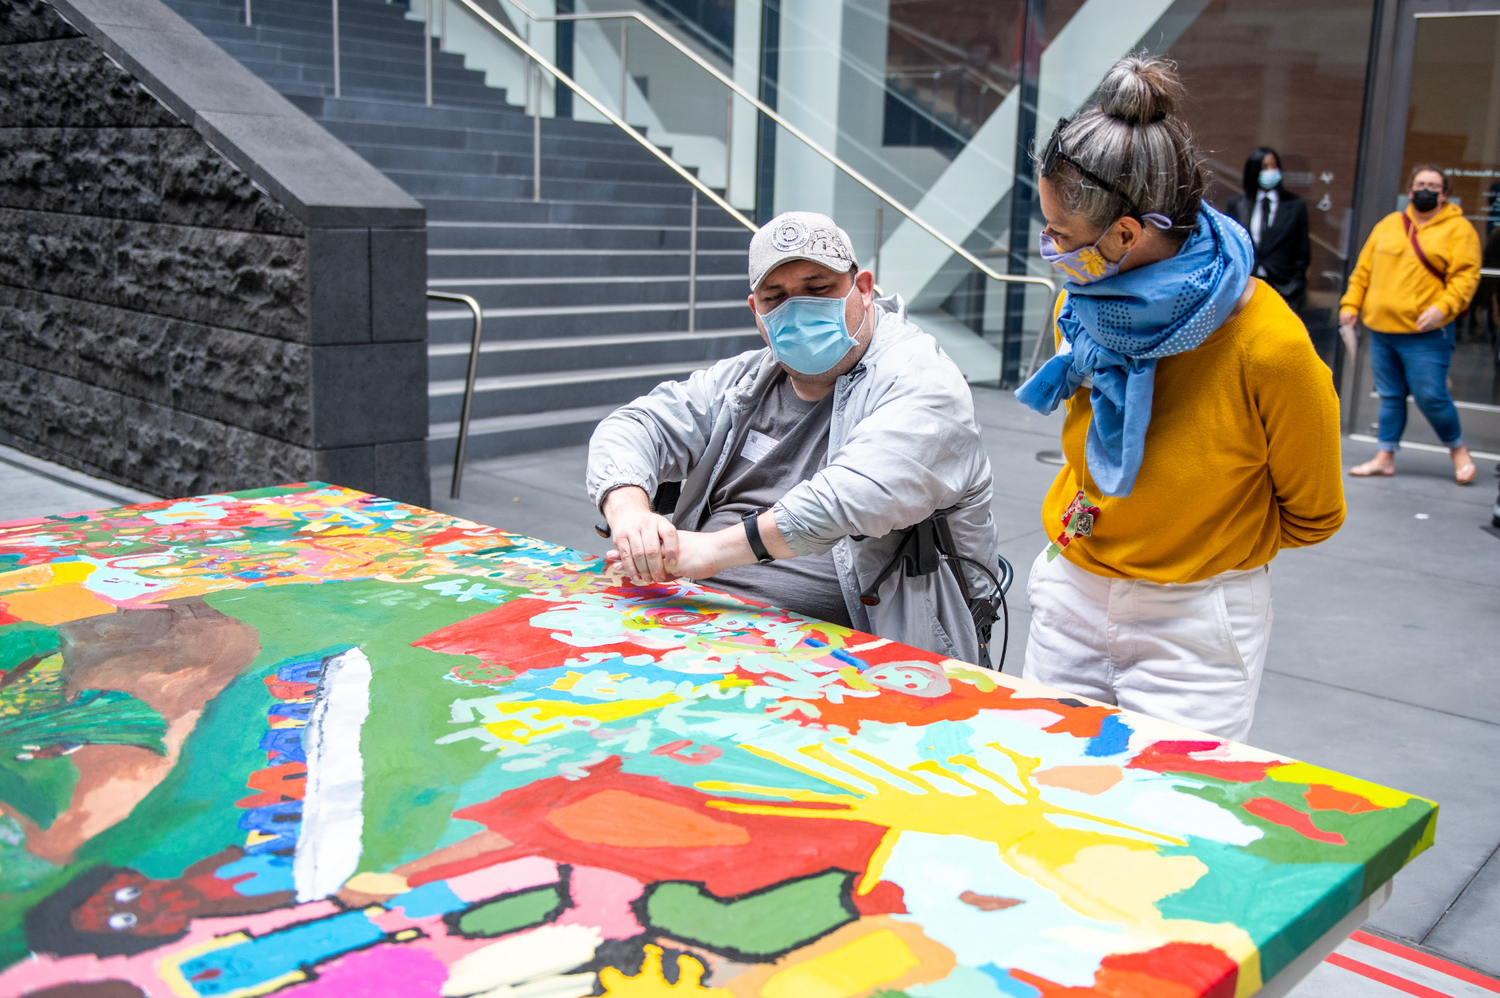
x,y
752,534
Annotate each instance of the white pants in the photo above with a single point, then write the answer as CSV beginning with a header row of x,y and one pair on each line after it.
x,y
1190,654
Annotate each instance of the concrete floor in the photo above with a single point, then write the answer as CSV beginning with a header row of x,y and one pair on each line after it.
x,y
31,487
1384,663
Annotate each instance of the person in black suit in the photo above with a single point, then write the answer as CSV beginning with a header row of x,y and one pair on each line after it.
x,y
1277,222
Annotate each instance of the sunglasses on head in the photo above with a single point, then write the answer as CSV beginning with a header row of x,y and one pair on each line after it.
x,y
1053,153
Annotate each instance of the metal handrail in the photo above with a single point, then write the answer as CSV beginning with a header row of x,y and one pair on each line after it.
x,y
473,375
745,95
1489,272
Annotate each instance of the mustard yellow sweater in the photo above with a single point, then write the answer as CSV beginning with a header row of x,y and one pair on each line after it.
x,y
1390,288
1242,457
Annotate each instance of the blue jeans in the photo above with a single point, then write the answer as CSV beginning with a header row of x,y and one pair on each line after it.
x,y
1415,364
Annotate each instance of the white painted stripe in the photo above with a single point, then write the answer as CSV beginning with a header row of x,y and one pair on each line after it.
x,y
333,820
1414,972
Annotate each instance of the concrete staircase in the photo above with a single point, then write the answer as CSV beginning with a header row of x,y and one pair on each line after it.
x,y
584,292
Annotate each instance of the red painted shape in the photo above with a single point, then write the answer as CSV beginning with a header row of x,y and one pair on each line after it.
x,y
885,898
1321,797
961,702
284,689
288,779
1207,970
1287,816
1430,962
504,636
1382,977
1178,757
6,617
778,847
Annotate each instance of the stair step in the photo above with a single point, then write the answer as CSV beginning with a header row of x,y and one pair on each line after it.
x,y
443,264
520,164
564,237
451,325
516,394
501,436
450,361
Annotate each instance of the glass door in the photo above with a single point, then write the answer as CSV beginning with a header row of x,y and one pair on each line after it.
x,y
1453,122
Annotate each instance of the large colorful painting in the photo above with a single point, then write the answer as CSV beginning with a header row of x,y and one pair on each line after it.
x,y
310,741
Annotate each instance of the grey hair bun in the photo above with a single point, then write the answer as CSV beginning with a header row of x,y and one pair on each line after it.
x,y
1140,90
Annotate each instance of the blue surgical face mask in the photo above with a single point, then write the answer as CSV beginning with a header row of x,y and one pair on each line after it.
x,y
1270,179
809,334
1085,265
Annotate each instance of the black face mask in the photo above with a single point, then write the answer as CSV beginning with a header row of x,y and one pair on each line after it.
x,y
1424,201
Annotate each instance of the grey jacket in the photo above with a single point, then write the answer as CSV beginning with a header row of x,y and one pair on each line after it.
x,y
902,443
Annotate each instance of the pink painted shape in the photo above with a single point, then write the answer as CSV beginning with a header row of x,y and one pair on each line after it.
x,y
502,878
140,970
601,898
392,970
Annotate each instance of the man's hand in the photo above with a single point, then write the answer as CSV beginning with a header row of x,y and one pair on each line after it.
x,y
645,543
1431,318
1347,321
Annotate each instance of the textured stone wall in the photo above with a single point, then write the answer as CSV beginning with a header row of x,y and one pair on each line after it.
x,y
166,323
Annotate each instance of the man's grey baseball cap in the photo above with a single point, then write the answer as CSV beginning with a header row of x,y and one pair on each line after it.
x,y
799,235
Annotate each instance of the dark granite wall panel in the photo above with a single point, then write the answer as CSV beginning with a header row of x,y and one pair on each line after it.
x,y
145,174
151,447
68,81
254,382
164,321
240,280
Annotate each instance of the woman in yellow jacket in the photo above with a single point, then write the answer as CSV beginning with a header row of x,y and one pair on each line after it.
x,y
1202,430
1418,270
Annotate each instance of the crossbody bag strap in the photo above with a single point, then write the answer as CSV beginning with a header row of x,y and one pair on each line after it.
x,y
1411,234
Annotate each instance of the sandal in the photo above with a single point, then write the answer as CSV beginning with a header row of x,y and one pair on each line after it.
x,y
1371,468
1466,474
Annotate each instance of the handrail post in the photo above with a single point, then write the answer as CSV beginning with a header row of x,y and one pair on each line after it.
x,y
469,380
729,147
442,25
879,238
427,52
338,76
693,264
624,64
536,138
248,21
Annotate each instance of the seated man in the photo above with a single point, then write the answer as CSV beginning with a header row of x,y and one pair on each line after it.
x,y
802,464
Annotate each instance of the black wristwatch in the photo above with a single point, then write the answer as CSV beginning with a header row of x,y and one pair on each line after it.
x,y
752,534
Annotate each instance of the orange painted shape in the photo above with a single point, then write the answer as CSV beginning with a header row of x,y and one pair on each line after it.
x,y
289,780
1084,779
621,818
56,604
1321,797
1287,816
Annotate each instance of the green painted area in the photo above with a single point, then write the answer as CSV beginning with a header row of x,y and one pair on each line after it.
x,y
191,814
510,914
39,789
273,491
1380,840
19,642
759,926
1284,907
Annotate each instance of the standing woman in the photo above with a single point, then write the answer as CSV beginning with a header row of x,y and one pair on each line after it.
x,y
1277,222
1418,270
1201,434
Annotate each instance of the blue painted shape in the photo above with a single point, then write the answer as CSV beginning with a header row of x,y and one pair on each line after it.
x,y
436,898
268,874
286,742
268,957
1009,985
291,709
273,818
1112,739
849,659
300,670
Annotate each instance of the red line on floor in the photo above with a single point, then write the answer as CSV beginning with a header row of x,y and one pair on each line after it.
x,y
1417,956
1382,977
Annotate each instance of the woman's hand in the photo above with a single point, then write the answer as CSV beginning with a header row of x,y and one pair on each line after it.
x,y
1431,318
645,542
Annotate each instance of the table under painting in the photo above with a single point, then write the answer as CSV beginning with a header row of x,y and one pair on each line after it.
x,y
309,740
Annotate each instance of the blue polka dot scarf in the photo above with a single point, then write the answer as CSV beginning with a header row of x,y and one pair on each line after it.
x,y
1114,331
